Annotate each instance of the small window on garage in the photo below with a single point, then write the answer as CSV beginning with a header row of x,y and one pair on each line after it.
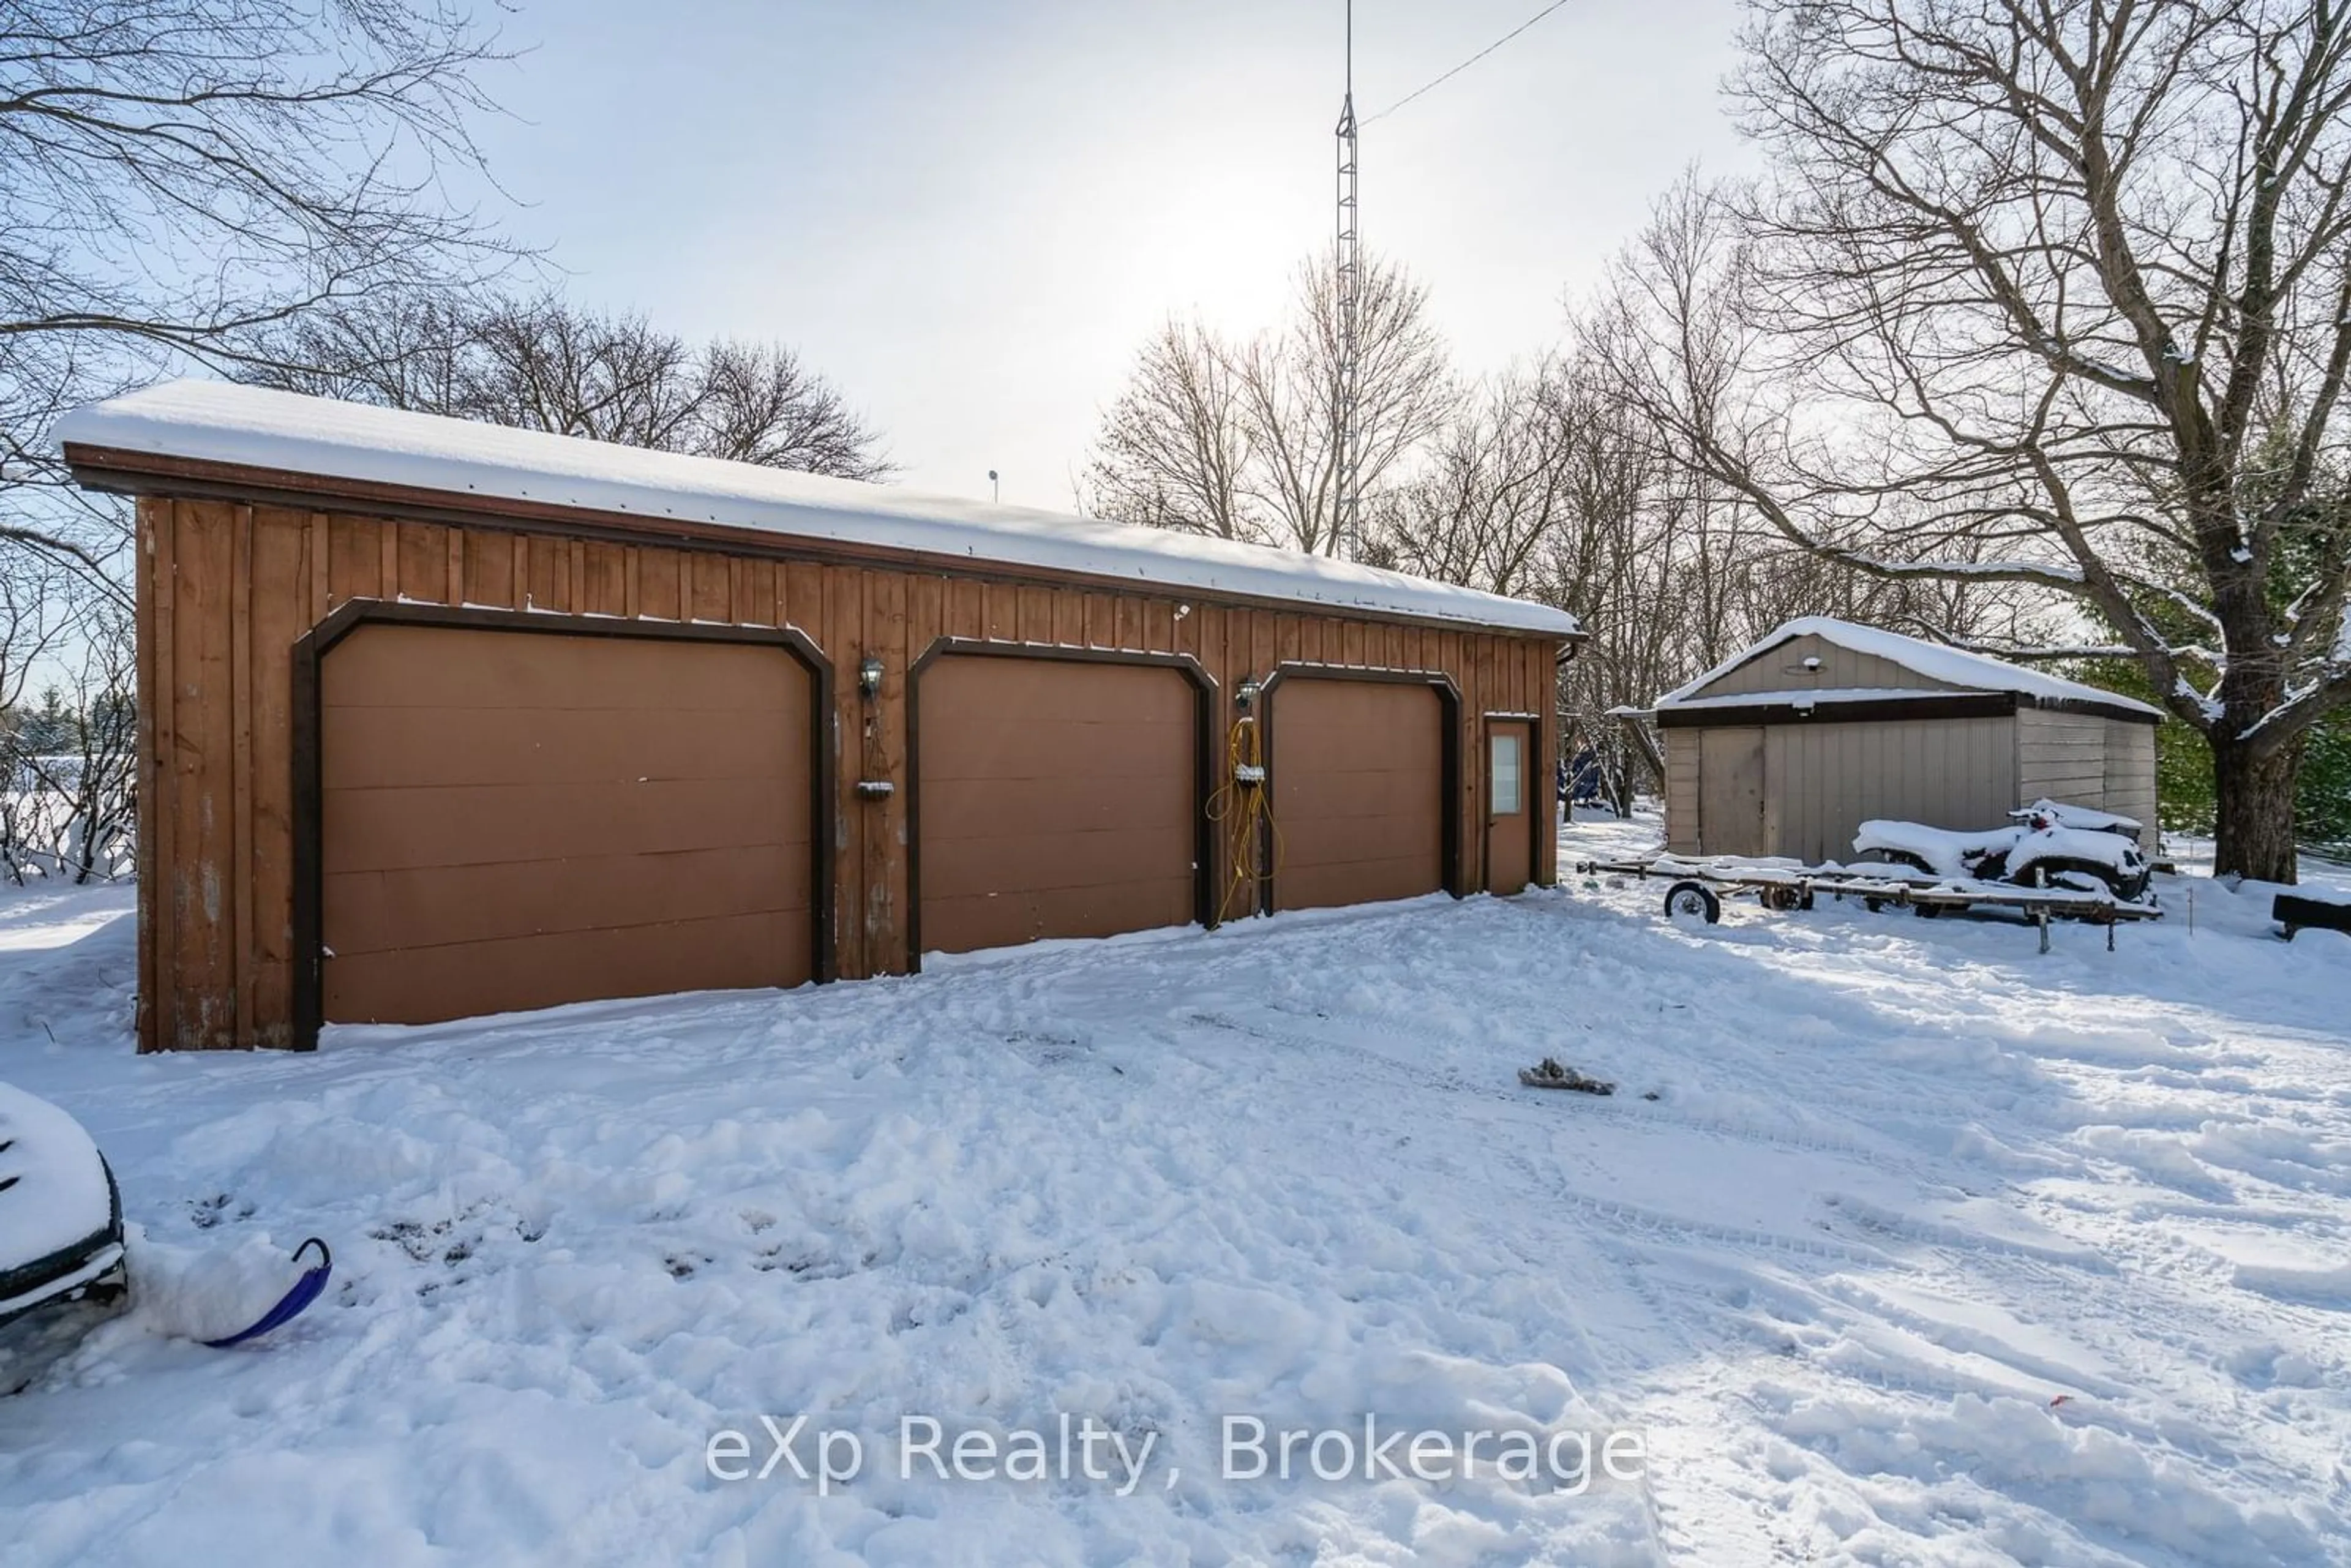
x,y
1506,772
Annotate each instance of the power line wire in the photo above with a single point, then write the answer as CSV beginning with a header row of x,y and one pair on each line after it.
x,y
1465,65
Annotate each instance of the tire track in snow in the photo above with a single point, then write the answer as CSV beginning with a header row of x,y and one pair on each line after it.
x,y
1598,1110
1506,1231
2168,1330
1945,1237
1623,1233
1632,1238
1705,1332
1693,1503
1636,1396
1942,1237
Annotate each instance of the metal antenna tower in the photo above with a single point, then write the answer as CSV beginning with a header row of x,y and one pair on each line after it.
x,y
1349,280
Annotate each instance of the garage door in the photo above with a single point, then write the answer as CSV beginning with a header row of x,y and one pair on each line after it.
x,y
1358,791
512,820
1057,798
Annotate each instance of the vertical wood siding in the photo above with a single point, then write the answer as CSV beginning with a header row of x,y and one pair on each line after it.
x,y
226,590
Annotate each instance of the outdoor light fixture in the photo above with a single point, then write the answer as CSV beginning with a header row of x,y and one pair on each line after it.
x,y
869,678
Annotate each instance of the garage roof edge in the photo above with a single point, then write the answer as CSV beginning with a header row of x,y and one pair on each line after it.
x,y
323,440
1961,671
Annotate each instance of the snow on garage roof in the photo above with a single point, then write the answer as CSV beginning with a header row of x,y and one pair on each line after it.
x,y
1936,661
218,421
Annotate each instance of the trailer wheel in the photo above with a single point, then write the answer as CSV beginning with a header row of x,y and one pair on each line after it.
x,y
1782,899
1692,900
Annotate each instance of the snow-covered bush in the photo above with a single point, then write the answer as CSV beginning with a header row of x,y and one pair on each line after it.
x,y
68,783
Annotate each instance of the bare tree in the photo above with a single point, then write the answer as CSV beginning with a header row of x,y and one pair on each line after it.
x,y
176,173
545,364
1295,396
542,366
1548,485
2056,294
1242,440
761,404
67,763
1174,450
1618,558
81,782
1499,481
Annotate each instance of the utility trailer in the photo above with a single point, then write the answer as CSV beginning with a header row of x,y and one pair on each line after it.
x,y
1697,887
2296,912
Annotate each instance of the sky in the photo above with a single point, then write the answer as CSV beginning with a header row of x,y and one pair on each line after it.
x,y
968,216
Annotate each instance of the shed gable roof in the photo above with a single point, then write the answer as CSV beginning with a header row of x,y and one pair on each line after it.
x,y
1942,672
287,432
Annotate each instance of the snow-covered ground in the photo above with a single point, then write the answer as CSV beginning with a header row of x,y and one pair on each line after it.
x,y
1899,1243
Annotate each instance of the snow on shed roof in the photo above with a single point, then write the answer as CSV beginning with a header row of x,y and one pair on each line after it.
x,y
218,421
1936,661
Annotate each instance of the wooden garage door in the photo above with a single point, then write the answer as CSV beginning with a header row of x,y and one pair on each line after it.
x,y
517,819
1358,791
1057,798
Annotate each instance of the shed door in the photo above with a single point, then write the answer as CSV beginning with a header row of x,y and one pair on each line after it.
x,y
515,818
1358,791
1056,797
1730,791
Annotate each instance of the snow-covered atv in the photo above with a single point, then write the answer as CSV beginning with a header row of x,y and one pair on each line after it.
x,y
2048,844
61,1258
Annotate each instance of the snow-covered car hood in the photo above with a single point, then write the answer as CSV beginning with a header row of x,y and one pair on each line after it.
x,y
53,1192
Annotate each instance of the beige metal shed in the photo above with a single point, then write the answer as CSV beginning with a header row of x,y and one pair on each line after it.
x,y
1787,747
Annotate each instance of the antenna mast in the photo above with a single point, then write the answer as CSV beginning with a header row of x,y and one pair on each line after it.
x,y
1346,525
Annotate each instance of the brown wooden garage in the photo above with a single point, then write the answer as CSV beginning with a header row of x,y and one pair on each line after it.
x,y
509,816
367,639
1056,794
1363,770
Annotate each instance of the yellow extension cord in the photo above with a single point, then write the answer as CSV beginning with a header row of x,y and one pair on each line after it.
x,y
1240,807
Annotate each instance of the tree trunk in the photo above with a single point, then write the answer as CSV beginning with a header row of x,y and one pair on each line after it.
x,y
2255,812
1619,775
